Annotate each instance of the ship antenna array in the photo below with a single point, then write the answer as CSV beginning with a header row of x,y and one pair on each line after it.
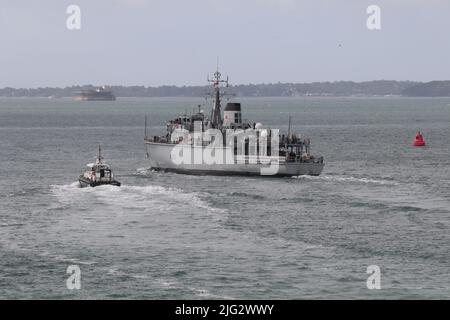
x,y
289,126
216,117
216,82
99,154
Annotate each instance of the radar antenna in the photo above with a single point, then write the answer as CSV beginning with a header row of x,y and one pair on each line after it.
x,y
216,118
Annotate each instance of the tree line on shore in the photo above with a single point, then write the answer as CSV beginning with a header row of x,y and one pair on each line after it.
x,y
339,88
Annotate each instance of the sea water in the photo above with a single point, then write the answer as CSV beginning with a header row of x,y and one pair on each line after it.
x,y
379,201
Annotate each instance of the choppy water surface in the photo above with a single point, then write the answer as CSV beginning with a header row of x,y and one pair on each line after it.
x,y
378,202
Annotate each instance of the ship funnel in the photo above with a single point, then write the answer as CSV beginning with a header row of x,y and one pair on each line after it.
x,y
232,114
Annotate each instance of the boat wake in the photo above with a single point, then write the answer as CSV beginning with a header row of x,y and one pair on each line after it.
x,y
349,179
129,197
144,171
395,196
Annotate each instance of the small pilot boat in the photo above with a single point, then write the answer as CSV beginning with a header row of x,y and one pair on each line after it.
x,y
99,174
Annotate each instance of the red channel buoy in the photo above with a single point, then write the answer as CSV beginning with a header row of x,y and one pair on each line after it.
x,y
418,140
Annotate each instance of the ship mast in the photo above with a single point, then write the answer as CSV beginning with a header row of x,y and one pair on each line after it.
x,y
100,158
216,118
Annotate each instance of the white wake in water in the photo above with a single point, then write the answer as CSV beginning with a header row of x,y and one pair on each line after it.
x,y
129,197
350,179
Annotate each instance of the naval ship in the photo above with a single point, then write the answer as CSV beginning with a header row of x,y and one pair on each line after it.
x,y
99,94
225,144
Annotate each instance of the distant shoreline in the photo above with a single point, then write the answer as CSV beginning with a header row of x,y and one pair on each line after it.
x,y
378,88
241,97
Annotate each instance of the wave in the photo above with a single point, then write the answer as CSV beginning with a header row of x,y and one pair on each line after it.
x,y
26,191
205,294
12,224
350,179
63,258
174,284
389,207
143,172
247,195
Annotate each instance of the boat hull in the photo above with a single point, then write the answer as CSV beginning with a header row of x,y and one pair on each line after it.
x,y
89,183
159,155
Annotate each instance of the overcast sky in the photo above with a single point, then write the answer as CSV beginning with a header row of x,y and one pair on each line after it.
x,y
156,42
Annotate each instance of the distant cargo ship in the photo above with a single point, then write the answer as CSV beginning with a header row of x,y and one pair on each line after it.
x,y
100,94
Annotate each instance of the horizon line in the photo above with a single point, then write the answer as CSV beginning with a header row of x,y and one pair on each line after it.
x,y
206,85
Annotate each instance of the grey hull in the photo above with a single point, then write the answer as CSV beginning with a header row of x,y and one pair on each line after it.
x,y
159,155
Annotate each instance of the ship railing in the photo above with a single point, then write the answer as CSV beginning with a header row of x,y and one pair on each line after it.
x,y
255,159
158,139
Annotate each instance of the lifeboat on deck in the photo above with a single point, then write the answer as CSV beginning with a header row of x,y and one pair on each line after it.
x,y
418,140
